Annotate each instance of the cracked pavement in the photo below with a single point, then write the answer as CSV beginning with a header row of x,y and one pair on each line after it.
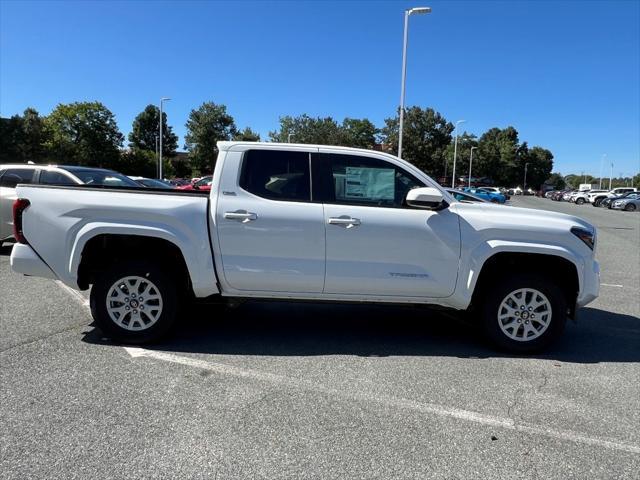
x,y
359,395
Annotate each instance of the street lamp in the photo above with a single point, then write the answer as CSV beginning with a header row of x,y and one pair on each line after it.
x,y
610,175
163,99
470,164
289,138
524,187
455,154
407,14
601,163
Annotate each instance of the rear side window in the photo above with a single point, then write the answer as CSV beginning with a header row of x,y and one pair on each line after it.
x,y
277,175
48,177
368,181
14,176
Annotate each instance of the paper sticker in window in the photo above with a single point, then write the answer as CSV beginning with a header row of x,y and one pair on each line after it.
x,y
369,183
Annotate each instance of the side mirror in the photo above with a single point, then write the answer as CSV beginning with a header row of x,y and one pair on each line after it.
x,y
425,197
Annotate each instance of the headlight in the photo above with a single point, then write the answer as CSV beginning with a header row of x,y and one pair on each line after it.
x,y
587,236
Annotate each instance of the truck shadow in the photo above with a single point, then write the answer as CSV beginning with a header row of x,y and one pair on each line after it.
x,y
295,329
5,249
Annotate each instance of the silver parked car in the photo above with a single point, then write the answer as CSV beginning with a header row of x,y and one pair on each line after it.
x,y
629,203
21,173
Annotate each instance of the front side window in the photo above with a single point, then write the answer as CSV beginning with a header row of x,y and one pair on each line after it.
x,y
48,177
104,178
277,175
368,181
14,176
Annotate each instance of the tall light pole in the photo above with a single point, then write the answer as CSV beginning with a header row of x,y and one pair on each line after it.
x,y
601,164
610,175
455,154
470,164
407,14
156,147
524,187
163,99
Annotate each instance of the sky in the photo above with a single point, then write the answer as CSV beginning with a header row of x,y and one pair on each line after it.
x,y
566,75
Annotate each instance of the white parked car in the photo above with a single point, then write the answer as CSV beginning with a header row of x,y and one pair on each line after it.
x,y
616,192
305,222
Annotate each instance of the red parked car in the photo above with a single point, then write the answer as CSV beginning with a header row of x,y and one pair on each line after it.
x,y
204,184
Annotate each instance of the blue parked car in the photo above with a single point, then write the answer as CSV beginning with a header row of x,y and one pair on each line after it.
x,y
488,195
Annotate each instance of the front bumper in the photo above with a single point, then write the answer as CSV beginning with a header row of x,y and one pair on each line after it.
x,y
590,284
617,207
24,260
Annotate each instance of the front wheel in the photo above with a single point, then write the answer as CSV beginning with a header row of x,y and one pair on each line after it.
x,y
134,302
524,313
630,207
597,202
580,201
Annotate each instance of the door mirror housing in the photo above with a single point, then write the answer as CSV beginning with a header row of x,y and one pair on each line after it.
x,y
425,197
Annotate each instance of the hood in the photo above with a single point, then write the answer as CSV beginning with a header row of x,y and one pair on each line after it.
x,y
487,215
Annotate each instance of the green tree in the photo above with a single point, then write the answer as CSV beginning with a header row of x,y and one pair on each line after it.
x,y
10,138
207,125
145,131
305,129
498,156
539,163
247,135
465,142
425,138
23,138
358,133
83,133
34,136
556,181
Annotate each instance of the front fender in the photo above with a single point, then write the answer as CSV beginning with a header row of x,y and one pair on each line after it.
x,y
475,259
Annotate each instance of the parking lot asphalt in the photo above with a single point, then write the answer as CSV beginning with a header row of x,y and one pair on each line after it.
x,y
280,390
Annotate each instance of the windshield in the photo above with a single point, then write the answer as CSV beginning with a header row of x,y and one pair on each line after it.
x,y
204,182
153,183
104,178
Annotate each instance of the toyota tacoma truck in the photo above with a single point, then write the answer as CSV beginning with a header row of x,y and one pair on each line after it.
x,y
307,222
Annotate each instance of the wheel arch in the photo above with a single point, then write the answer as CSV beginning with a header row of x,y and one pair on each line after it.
x,y
564,270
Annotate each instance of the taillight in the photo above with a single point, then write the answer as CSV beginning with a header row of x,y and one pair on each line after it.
x,y
19,206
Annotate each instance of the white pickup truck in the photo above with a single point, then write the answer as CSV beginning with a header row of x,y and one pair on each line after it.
x,y
307,222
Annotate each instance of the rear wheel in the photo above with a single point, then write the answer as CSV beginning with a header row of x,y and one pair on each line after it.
x,y
134,303
580,201
597,202
524,313
630,207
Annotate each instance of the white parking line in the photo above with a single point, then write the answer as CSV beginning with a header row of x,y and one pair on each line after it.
x,y
74,293
611,285
422,407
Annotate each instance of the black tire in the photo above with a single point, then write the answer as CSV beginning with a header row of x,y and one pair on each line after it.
x,y
630,207
491,307
597,202
580,201
161,282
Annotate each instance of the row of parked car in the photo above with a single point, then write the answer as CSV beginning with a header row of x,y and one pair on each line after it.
x,y
621,198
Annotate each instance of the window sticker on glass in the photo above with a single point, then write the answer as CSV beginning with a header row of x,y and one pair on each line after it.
x,y
369,183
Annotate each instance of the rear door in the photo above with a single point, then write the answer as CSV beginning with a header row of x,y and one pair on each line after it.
x,y
376,244
270,228
10,178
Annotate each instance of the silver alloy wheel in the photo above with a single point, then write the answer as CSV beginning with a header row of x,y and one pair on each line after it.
x,y
524,314
134,303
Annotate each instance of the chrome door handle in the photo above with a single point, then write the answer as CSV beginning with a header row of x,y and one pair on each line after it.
x,y
344,221
241,215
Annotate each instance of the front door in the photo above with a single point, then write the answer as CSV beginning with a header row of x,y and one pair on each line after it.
x,y
376,245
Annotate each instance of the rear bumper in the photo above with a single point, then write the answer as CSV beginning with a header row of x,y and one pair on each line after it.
x,y
590,285
24,260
